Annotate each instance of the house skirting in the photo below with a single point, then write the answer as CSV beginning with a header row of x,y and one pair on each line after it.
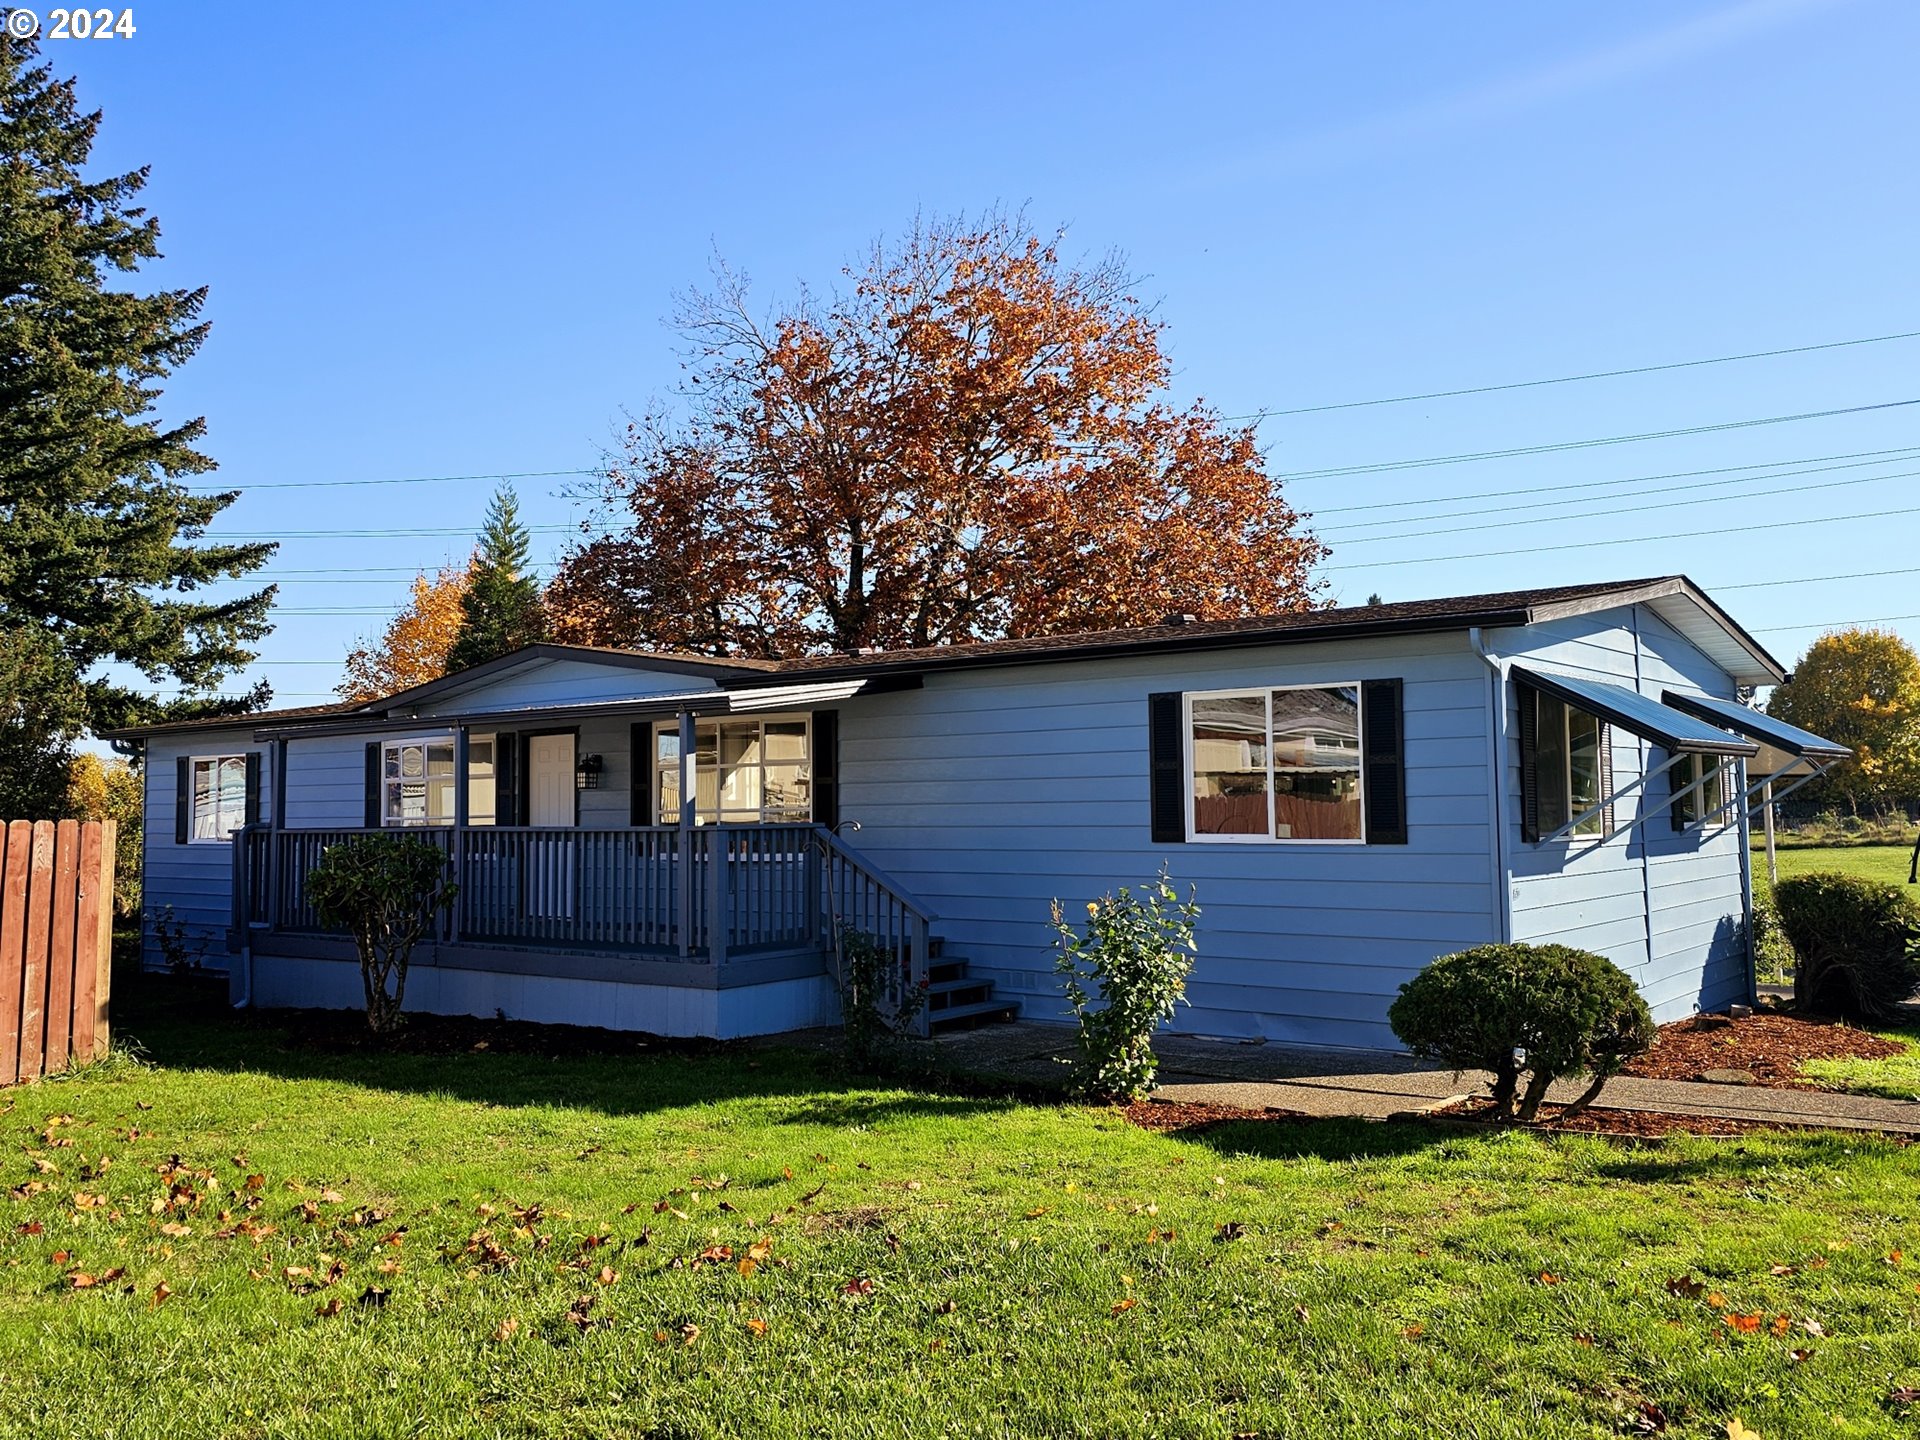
x,y
762,997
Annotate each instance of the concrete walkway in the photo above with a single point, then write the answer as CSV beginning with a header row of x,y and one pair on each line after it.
x,y
1370,1084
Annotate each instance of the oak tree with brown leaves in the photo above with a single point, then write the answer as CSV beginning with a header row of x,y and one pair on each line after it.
x,y
969,439
414,647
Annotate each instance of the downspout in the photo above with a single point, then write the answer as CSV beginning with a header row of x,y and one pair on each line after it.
x,y
1496,781
1645,750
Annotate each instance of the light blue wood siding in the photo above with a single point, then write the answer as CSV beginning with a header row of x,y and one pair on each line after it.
x,y
991,793
196,880
1667,907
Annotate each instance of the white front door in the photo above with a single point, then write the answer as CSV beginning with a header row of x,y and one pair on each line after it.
x,y
550,802
550,790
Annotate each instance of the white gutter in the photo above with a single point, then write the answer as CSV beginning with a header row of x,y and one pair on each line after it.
x,y
1496,781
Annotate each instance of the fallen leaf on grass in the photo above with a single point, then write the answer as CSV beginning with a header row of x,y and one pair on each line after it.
x,y
1814,1328
81,1280
756,1327
1717,1300
504,1330
1737,1430
688,1334
859,1286
1414,1331
1784,1270
32,1227
1745,1324
1686,1285
1120,1307
1547,1277
329,1308
389,1267
608,1275
161,1294
175,1230
1229,1231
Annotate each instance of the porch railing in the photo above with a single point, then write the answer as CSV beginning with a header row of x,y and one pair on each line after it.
x,y
739,890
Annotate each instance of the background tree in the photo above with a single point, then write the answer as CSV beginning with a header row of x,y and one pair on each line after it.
x,y
1861,688
111,789
413,649
969,439
98,536
500,610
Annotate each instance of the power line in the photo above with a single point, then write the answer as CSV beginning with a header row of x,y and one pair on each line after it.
x,y
1423,462
1833,624
1571,379
1852,457
1816,579
1799,523
389,480
1630,510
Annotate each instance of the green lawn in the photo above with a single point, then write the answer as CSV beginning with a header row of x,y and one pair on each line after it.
x,y
1873,862
936,1264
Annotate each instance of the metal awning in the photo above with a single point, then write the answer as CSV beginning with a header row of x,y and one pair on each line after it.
x,y
1781,744
1674,731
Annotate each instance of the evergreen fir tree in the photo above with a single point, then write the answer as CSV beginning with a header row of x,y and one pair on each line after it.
x,y
98,533
501,610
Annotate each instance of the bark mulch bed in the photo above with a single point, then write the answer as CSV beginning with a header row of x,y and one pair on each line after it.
x,y
1636,1124
1173,1116
1770,1047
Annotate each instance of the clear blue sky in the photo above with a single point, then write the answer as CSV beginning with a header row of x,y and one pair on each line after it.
x,y
441,239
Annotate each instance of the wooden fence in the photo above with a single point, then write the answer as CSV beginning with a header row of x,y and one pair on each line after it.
x,y
56,940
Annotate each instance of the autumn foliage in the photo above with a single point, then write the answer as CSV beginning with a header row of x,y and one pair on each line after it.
x,y
413,649
969,439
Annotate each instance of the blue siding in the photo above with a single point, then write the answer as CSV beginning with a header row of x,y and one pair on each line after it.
x,y
990,793
196,880
1666,907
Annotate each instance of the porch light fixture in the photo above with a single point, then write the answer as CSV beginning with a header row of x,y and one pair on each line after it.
x,y
586,774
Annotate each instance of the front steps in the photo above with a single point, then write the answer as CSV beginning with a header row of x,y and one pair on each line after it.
x,y
957,1000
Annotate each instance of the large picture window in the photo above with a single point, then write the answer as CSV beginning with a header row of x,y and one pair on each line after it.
x,y
219,797
746,771
1275,765
1706,802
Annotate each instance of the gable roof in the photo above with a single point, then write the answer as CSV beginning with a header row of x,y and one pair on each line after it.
x,y
1676,599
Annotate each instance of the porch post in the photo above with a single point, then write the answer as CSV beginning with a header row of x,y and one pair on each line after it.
x,y
456,847
683,872
1766,808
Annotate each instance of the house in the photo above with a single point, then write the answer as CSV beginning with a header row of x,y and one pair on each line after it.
x,y
669,843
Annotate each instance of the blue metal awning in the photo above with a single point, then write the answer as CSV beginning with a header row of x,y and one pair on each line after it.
x,y
1672,730
1801,744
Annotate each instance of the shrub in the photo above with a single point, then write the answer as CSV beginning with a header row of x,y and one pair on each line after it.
x,y
384,890
1772,951
1136,953
182,950
1546,1011
1854,940
877,1006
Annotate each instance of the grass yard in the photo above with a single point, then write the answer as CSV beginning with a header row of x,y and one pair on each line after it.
x,y
560,1247
1886,863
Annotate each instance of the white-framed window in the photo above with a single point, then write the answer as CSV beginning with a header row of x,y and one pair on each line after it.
x,y
1276,765
1704,803
416,781
746,771
219,798
1569,765
483,776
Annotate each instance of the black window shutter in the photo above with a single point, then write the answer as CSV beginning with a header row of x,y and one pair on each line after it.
x,y
1383,750
826,768
182,799
253,787
1678,778
506,779
640,757
1529,762
373,807
1166,768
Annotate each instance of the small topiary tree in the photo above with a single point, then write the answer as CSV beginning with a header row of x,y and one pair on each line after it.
x,y
1545,1011
1855,941
1136,953
384,890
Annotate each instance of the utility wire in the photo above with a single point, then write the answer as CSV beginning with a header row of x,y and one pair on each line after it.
x,y
1832,624
1630,510
388,480
1572,379
1798,523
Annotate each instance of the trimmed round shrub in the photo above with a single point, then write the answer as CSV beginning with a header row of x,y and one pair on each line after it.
x,y
1543,1011
1857,943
